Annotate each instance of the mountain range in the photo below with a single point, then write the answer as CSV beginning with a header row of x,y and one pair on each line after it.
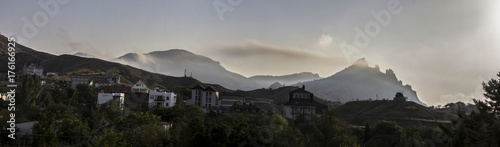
x,y
356,82
167,68
177,62
65,65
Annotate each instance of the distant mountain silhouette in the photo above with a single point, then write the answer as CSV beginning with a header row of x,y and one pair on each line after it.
x,y
175,61
275,85
65,65
285,79
84,55
359,81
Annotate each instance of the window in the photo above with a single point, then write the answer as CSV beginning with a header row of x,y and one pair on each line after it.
x,y
167,104
168,98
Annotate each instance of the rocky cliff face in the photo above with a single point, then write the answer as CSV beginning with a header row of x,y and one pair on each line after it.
x,y
359,81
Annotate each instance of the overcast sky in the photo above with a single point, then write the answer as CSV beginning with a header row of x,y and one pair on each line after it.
x,y
444,49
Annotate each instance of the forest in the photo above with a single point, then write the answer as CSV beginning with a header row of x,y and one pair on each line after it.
x,y
73,118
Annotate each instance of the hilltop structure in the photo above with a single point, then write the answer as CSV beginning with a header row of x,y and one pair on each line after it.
x,y
301,102
400,97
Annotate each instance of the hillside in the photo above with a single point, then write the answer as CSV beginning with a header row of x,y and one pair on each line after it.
x,y
68,64
359,81
279,95
405,113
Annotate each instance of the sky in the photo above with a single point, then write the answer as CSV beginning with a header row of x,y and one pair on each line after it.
x,y
443,49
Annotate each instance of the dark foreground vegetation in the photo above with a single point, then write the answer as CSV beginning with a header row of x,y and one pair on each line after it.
x,y
72,118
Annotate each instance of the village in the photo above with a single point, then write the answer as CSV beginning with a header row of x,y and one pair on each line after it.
x,y
95,101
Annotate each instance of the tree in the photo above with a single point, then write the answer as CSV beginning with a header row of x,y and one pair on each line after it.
x,y
480,128
492,92
30,91
148,135
45,132
385,133
109,138
367,134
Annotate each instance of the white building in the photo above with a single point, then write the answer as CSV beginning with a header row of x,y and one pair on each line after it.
x,y
32,69
79,79
105,97
301,102
140,87
204,97
160,97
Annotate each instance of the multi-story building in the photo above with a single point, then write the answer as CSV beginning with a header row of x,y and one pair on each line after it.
x,y
205,97
32,69
140,87
229,99
79,79
301,102
105,97
161,97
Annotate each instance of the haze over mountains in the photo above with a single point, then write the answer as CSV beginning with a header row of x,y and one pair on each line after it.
x,y
175,61
358,81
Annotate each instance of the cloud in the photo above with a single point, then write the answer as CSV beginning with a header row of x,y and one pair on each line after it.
x,y
80,46
255,48
325,40
256,58
447,98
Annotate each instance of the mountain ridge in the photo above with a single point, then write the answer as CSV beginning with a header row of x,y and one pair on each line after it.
x,y
177,61
361,82
66,65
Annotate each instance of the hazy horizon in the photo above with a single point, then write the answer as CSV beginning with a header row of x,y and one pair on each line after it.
x,y
443,49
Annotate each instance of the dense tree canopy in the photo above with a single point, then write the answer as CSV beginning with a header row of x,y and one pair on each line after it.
x,y
73,118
